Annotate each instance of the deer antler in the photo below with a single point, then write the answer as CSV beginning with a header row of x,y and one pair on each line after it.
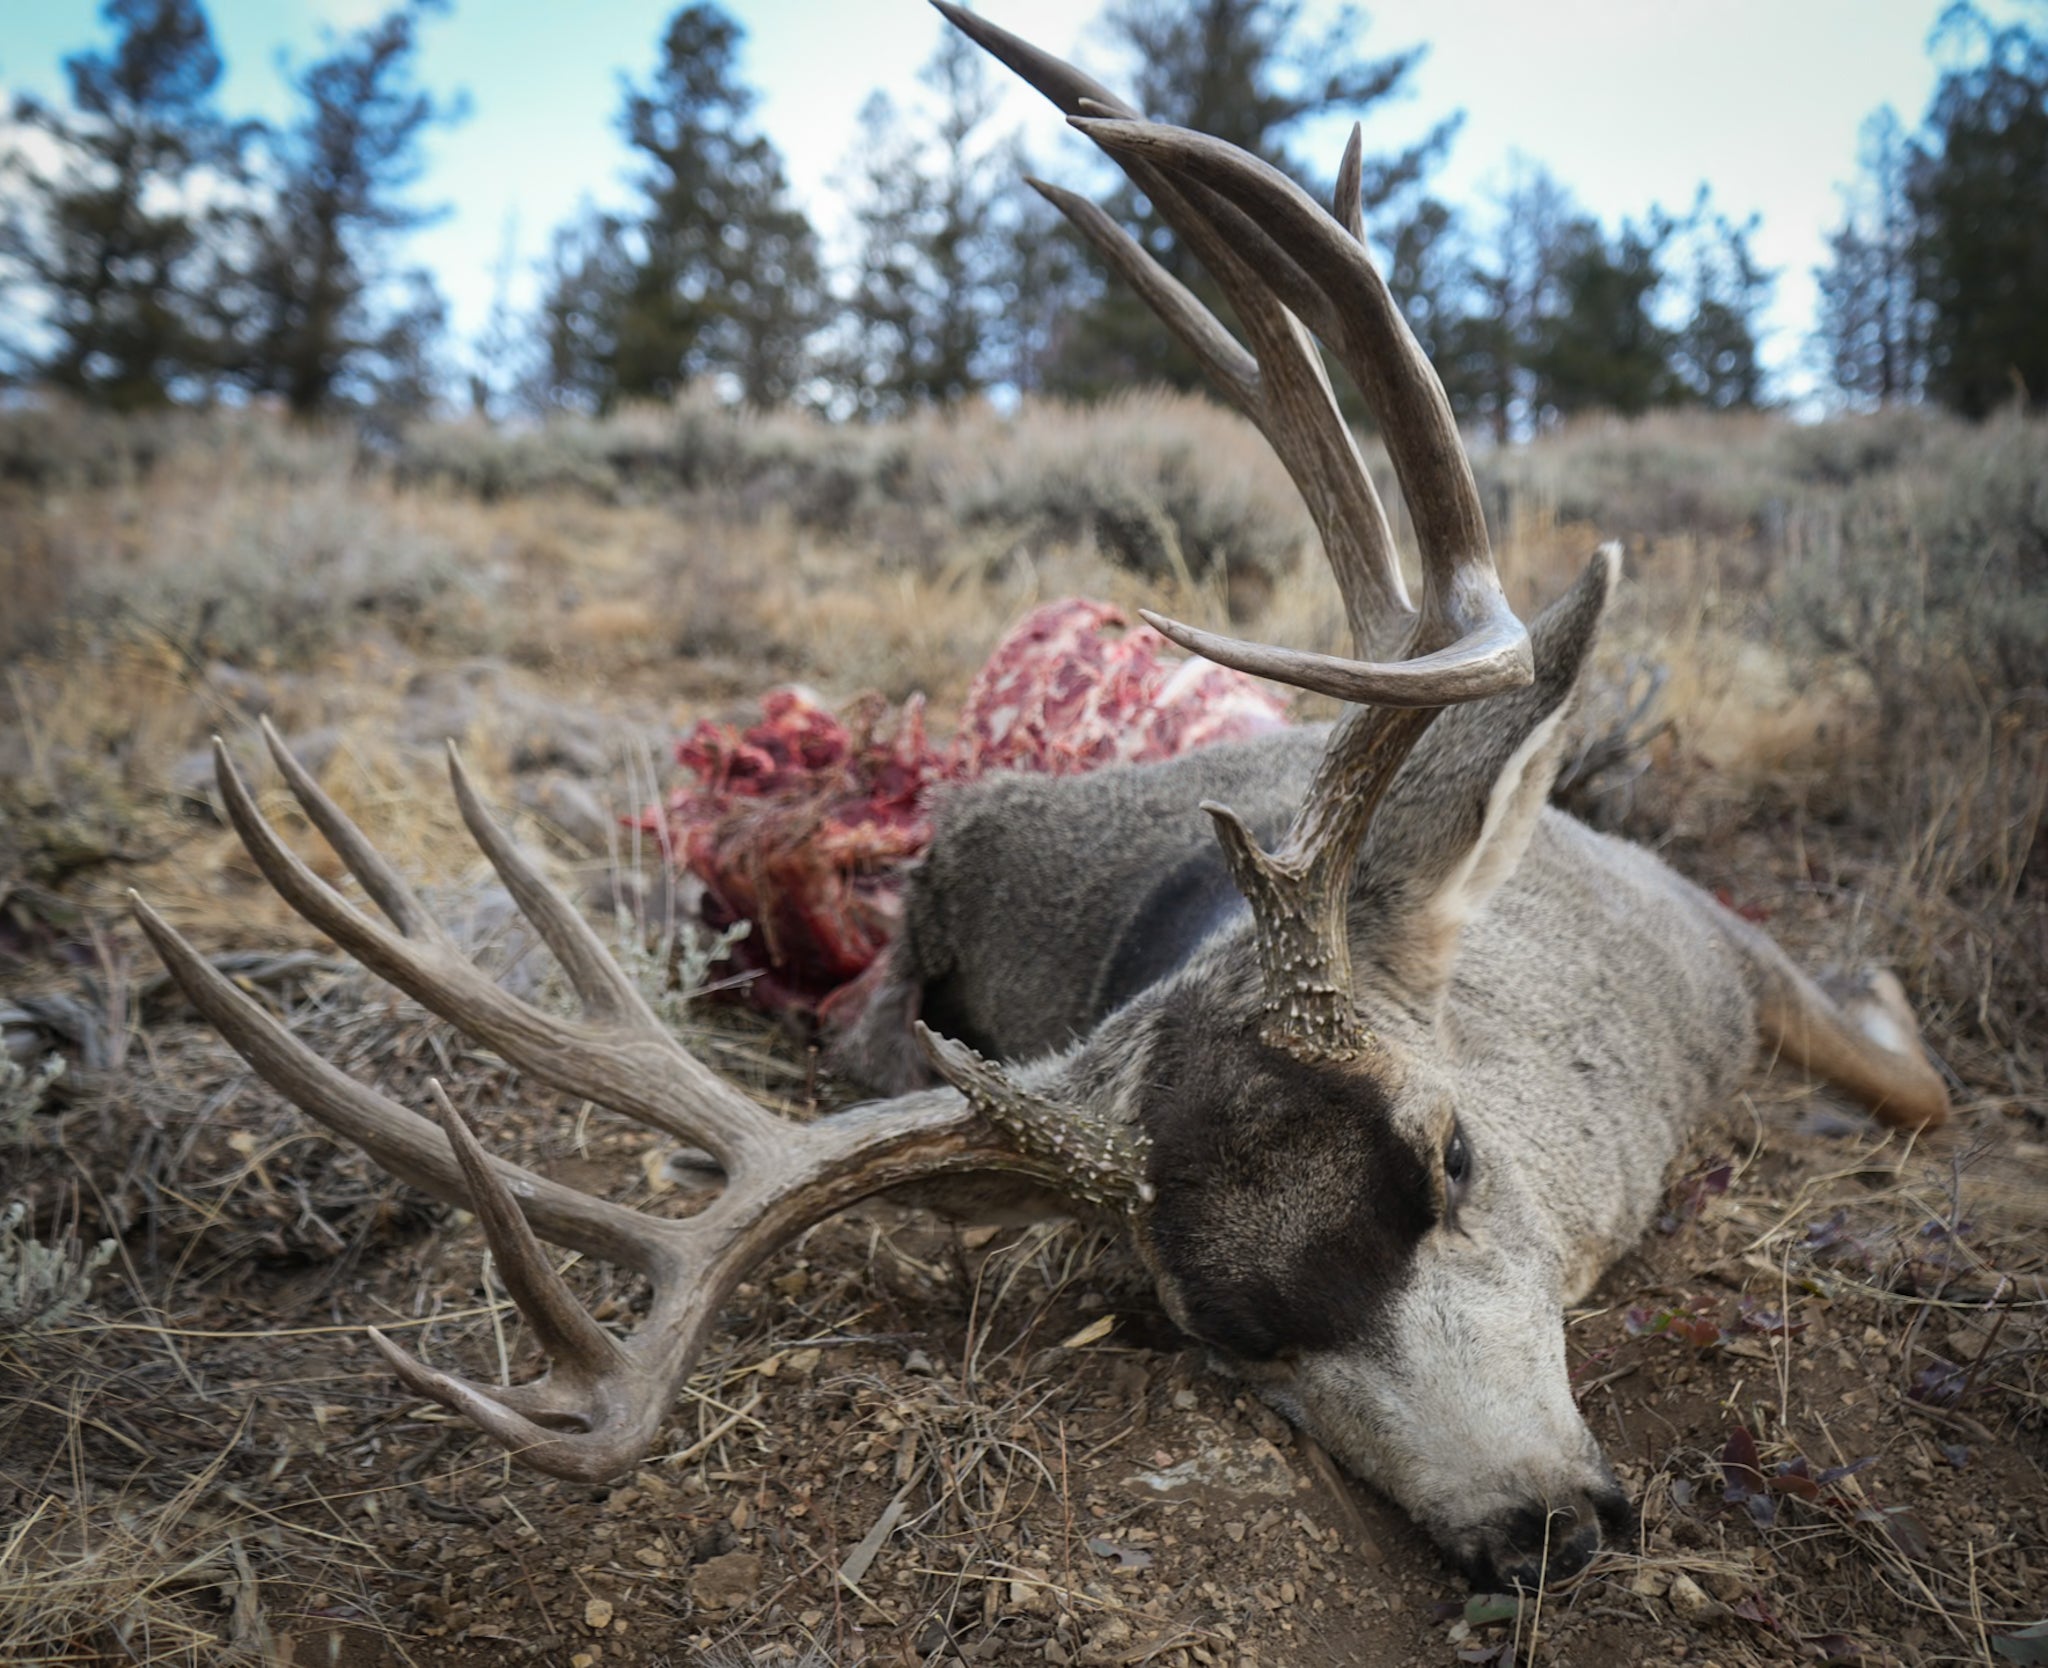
x,y
599,1406
1293,272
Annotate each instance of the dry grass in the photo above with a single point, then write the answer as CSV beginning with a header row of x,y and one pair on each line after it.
x,y
1839,739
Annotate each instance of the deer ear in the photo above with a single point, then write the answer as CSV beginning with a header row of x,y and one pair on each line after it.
x,y
1461,813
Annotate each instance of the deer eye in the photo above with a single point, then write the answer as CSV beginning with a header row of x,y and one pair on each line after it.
x,y
1457,1164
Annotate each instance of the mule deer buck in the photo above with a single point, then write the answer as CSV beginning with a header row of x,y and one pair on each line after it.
x,y
1381,1060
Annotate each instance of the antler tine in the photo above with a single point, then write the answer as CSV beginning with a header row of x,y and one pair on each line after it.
x,y
402,1141
627,1062
401,906
1325,266
606,991
1234,371
562,1325
1347,201
599,1405
1467,642
1060,81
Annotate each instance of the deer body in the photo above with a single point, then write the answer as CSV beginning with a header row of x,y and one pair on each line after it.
x,y
1596,1006
1381,1061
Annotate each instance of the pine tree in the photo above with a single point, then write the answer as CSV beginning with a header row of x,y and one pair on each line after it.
x,y
1513,292
1599,347
117,262
1979,189
1872,332
332,320
1715,359
935,205
724,269
586,281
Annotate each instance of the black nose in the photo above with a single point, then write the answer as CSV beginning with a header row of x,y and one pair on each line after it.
x,y
1539,1543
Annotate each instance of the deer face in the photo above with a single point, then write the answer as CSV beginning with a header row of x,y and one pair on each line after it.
x,y
1336,1232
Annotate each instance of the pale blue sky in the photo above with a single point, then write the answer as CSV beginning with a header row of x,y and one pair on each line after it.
x,y
1628,102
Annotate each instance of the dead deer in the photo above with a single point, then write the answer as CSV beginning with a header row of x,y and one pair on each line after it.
x,y
1376,1099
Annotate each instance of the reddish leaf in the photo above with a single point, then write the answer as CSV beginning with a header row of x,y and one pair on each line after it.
x,y
1689,1195
1748,911
1938,1384
1742,1476
1753,1609
1641,1322
1797,1484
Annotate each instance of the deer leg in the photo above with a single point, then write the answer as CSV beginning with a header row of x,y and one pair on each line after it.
x,y
1856,1031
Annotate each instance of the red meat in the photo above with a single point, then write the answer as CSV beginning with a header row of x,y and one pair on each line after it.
x,y
803,823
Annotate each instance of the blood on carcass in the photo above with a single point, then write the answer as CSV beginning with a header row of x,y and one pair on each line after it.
x,y
803,824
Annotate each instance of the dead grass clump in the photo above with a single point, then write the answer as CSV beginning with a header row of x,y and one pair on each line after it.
x,y
1163,485
133,1581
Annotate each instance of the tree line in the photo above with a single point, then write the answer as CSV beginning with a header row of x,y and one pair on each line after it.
x,y
164,251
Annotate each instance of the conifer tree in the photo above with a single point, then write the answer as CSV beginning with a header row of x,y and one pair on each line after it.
x,y
333,320
108,244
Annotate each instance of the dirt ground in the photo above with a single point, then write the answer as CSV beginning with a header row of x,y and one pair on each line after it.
x,y
1824,1376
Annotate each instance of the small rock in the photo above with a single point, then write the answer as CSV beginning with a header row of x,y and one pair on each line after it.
x,y
1688,1598
723,1582
1725,1585
919,1362
597,1615
1692,1604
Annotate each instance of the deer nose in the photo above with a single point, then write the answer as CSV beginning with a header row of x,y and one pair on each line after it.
x,y
1542,1543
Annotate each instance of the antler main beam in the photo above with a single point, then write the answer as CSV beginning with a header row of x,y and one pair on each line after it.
x,y
1293,272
